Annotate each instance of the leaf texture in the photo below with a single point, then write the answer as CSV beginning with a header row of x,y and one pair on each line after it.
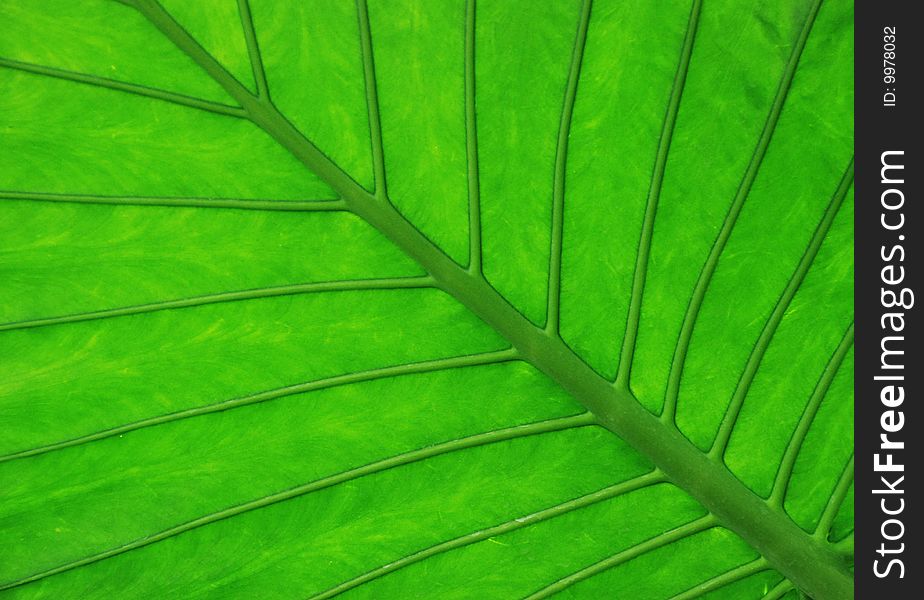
x,y
462,299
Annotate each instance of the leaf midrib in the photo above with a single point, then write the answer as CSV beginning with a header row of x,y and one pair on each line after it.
x,y
810,564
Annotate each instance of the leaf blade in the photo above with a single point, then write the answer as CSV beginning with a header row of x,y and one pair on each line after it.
x,y
617,409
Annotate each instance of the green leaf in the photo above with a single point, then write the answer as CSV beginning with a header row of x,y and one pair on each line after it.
x,y
426,300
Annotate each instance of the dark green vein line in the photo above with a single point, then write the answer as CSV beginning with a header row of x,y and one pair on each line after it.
x,y
845,547
481,439
283,290
654,543
784,474
131,88
372,101
727,578
709,267
779,311
654,194
253,48
575,504
780,590
233,203
558,183
429,366
834,502
471,147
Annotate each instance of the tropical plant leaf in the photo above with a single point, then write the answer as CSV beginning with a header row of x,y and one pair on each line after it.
x,y
425,300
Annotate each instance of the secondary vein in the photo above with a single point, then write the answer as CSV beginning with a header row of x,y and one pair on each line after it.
x,y
471,147
558,182
845,546
131,88
719,581
624,556
427,366
606,493
651,205
230,203
834,502
481,439
372,101
720,443
253,49
779,590
705,275
784,474
352,285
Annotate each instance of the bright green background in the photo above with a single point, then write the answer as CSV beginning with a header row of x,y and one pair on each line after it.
x,y
79,160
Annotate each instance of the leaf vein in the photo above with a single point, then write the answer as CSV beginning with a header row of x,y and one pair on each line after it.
x,y
372,101
130,88
257,204
606,493
669,537
253,294
719,581
398,460
720,443
709,267
253,48
780,590
428,366
654,195
835,501
784,474
471,147
558,181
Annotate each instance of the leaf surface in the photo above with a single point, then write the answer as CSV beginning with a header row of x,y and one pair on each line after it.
x,y
399,300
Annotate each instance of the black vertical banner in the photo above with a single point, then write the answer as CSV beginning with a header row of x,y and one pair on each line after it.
x,y
888,273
